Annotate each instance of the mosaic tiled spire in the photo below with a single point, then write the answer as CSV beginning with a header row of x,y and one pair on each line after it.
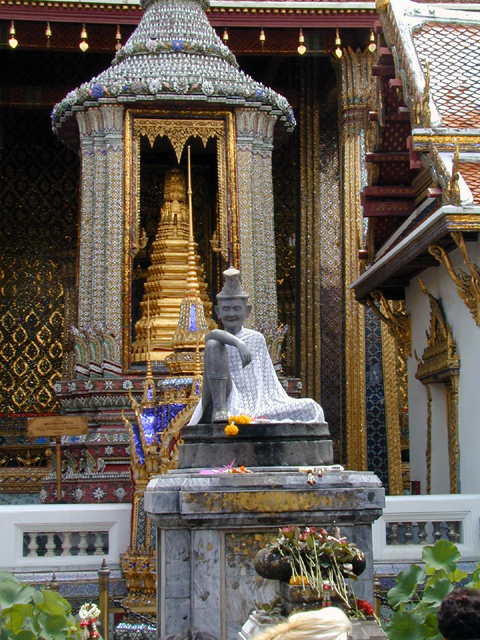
x,y
172,54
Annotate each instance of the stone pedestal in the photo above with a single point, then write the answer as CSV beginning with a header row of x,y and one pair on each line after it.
x,y
256,445
209,528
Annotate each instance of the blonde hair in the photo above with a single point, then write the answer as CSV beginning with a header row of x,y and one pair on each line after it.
x,y
329,623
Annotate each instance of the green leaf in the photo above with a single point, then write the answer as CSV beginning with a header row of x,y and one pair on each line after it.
x,y
474,585
436,592
404,624
54,603
4,575
24,635
53,627
12,592
431,622
310,541
17,614
406,586
442,555
459,575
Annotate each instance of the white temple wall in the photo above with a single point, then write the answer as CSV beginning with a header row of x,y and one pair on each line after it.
x,y
467,336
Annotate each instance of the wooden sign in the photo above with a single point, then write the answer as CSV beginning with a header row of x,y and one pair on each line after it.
x,y
56,426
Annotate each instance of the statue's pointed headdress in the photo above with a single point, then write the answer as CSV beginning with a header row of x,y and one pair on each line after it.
x,y
232,287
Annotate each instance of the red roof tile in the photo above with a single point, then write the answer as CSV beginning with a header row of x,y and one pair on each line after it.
x,y
453,52
470,172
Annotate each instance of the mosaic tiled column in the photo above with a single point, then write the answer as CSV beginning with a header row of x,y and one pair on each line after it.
x,y
86,228
354,85
98,265
101,234
255,206
113,126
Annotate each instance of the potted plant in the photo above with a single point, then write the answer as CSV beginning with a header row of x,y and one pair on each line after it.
x,y
314,559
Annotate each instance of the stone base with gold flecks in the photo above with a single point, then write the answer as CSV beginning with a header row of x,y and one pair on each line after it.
x,y
210,525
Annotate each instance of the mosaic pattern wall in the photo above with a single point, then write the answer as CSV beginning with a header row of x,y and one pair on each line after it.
x,y
283,168
320,260
376,419
330,270
38,221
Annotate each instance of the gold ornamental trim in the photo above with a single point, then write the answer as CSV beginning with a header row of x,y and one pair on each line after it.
x,y
392,412
205,124
467,284
450,139
354,91
396,399
398,323
440,363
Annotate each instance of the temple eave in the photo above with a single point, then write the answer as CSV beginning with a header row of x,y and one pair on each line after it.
x,y
394,270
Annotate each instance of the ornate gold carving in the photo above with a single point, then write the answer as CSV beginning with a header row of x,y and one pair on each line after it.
x,y
392,412
188,122
178,132
159,457
440,363
441,141
354,88
421,108
398,322
448,179
468,285
24,468
381,5
174,264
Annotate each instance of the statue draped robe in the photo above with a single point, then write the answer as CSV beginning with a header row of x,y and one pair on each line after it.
x,y
256,389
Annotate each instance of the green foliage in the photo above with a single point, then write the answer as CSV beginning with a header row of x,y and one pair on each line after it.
x,y
32,614
417,594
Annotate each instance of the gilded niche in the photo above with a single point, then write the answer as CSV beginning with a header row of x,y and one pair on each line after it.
x,y
440,363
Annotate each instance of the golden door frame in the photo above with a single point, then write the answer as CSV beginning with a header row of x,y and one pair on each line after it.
x,y
440,363
188,123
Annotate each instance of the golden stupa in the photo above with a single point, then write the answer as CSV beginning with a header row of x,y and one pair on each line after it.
x,y
167,275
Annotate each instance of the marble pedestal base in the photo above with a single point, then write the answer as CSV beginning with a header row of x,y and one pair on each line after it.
x,y
209,528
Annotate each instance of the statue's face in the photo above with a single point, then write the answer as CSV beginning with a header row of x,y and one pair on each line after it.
x,y
233,312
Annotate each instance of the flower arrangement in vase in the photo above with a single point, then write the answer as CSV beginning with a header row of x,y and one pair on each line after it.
x,y
313,558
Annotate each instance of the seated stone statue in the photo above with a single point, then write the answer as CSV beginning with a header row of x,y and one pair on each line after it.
x,y
239,377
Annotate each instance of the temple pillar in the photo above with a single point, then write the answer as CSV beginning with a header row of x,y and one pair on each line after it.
x,y
86,229
354,74
255,206
113,128
319,263
101,240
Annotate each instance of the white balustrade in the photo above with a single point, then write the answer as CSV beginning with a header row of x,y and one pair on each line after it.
x,y
409,523
65,543
62,537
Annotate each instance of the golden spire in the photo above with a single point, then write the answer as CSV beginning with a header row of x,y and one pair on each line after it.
x,y
149,395
174,261
192,325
